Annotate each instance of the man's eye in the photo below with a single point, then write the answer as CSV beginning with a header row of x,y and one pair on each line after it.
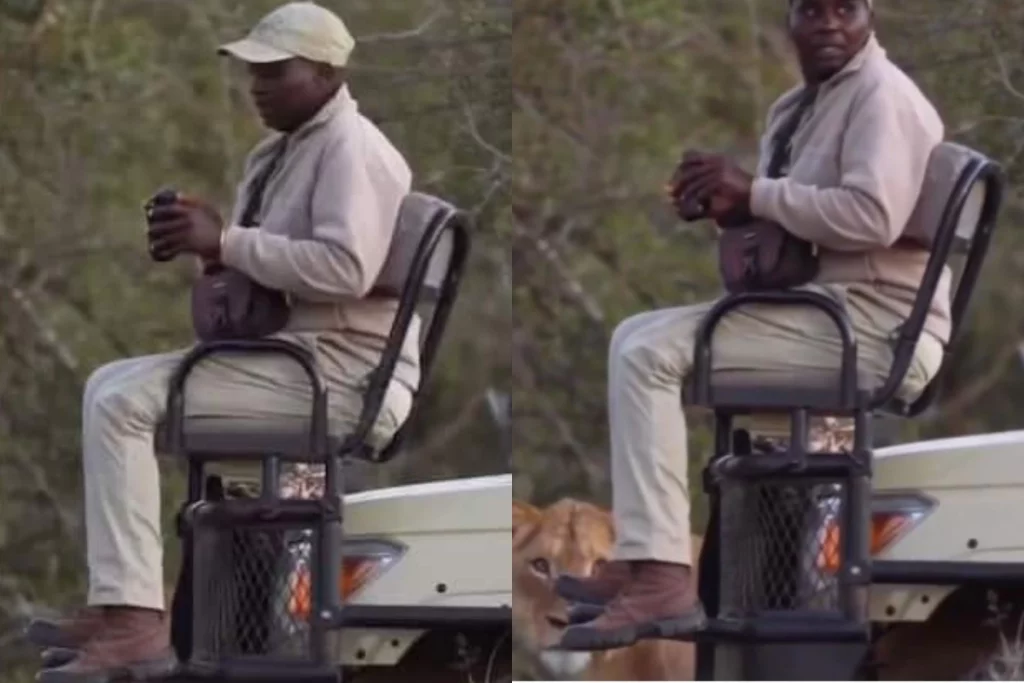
x,y
541,566
808,8
268,72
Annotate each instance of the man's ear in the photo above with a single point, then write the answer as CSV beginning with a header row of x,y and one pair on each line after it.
x,y
523,516
333,75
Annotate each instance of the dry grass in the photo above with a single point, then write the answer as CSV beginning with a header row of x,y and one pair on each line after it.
x,y
1008,663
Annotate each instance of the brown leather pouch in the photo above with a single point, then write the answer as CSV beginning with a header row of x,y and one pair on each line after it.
x,y
762,255
229,305
758,254
226,303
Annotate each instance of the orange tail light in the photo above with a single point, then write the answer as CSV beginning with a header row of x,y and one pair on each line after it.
x,y
364,561
891,519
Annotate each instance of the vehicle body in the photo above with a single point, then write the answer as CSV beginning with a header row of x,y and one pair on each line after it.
x,y
452,539
950,495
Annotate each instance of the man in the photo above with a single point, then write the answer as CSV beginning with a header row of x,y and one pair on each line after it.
x,y
325,226
857,164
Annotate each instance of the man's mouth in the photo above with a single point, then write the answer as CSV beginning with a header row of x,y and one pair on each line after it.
x,y
828,51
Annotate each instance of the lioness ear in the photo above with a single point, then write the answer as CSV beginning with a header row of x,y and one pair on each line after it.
x,y
523,514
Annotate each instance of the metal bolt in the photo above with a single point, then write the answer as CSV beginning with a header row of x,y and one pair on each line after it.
x,y
325,615
855,570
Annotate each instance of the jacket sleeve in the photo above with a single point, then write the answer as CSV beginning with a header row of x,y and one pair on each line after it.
x,y
884,156
353,222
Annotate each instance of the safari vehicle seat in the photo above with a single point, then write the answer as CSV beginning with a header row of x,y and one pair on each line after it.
x,y
772,612
231,547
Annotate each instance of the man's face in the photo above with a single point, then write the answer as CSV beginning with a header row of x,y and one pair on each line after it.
x,y
288,93
828,33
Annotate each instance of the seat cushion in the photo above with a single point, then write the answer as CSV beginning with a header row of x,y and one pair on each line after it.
x,y
247,438
763,389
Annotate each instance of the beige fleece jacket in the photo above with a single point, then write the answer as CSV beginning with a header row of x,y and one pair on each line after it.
x,y
857,166
327,219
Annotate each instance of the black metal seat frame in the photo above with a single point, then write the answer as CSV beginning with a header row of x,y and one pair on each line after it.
x,y
844,399
323,514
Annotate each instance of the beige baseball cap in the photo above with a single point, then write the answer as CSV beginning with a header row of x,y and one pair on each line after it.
x,y
296,29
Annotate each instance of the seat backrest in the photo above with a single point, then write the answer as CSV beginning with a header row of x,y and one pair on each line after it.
x,y
950,165
416,217
423,270
954,220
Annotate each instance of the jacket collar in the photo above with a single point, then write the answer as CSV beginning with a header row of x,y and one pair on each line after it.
x,y
872,51
340,104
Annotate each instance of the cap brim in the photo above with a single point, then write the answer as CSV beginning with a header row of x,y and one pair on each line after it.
x,y
254,52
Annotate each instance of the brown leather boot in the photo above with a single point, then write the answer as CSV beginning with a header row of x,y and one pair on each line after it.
x,y
597,589
657,602
67,633
132,643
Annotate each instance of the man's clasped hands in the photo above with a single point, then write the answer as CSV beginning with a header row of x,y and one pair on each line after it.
x,y
187,225
710,185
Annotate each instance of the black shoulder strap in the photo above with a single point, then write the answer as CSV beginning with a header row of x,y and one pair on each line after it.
x,y
259,185
782,140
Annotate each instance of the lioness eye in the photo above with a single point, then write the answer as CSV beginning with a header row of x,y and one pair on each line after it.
x,y
541,566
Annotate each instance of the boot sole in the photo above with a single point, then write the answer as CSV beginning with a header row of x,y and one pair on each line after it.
x,y
669,629
53,657
585,639
141,671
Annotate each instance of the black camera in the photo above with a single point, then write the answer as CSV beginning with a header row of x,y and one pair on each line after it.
x,y
164,197
691,210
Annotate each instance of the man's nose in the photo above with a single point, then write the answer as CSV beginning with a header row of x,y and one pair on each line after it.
x,y
829,21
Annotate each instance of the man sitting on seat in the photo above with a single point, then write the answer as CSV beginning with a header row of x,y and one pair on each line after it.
x,y
326,222
857,164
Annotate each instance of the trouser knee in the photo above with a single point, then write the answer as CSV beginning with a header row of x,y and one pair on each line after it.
x,y
117,405
97,379
622,335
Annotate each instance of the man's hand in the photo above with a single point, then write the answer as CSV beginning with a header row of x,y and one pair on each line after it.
x,y
714,181
189,225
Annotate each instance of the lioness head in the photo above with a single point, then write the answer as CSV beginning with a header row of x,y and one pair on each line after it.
x,y
569,537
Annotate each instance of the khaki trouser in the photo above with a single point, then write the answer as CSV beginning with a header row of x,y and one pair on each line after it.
x,y
124,401
651,354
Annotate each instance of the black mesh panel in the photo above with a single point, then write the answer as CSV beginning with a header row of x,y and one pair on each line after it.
x,y
252,592
774,551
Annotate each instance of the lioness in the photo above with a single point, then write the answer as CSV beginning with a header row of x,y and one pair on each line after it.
x,y
573,537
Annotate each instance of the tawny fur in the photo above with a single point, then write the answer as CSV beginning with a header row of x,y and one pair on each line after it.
x,y
570,537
